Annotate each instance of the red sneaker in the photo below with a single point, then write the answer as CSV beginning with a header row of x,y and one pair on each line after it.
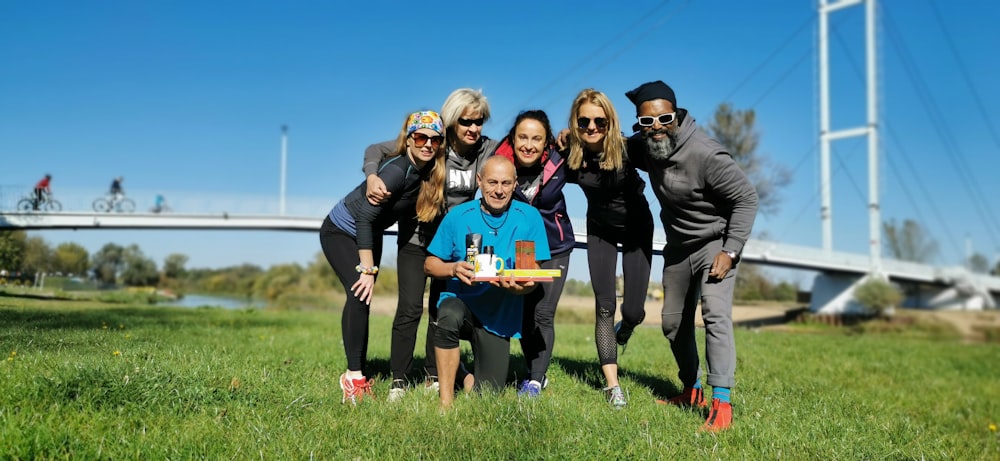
x,y
689,397
355,389
720,417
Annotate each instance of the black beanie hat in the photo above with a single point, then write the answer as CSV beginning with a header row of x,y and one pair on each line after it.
x,y
651,90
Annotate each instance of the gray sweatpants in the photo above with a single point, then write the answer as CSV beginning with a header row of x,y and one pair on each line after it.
x,y
685,282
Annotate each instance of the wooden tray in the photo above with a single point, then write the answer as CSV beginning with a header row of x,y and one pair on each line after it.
x,y
517,278
523,275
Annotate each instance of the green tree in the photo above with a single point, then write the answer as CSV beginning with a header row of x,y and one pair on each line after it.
x,y
878,295
70,258
979,264
137,269
173,265
320,276
37,256
576,287
12,249
277,281
107,263
735,130
908,242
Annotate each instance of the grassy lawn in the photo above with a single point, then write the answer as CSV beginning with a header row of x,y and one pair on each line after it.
x,y
88,380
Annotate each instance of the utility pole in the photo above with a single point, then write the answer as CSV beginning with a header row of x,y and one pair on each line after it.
x,y
284,161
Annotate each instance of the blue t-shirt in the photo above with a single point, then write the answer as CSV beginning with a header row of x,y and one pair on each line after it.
x,y
497,309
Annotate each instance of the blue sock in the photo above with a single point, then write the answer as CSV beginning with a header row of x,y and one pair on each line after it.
x,y
721,393
697,384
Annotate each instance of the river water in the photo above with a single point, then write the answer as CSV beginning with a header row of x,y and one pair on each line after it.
x,y
193,300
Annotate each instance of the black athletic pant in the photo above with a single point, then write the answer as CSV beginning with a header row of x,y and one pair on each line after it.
x,y
538,333
491,353
409,308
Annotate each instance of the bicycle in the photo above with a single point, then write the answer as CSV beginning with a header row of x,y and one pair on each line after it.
x,y
111,203
32,203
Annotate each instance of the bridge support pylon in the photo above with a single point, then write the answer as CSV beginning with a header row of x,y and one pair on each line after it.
x,y
833,294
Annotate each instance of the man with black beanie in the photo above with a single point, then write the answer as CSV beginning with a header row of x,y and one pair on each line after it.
x,y
707,208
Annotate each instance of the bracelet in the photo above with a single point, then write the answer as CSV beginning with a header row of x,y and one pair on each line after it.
x,y
366,270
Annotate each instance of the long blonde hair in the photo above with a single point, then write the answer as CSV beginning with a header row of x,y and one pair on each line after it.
x,y
430,200
614,142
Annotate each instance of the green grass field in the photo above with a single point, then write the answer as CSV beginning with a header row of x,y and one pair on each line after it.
x,y
85,380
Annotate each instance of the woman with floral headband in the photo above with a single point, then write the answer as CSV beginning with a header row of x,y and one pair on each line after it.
x,y
351,235
464,113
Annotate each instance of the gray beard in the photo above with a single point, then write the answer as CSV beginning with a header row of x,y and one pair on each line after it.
x,y
660,150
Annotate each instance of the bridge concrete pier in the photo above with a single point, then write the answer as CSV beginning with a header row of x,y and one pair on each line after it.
x,y
963,296
833,294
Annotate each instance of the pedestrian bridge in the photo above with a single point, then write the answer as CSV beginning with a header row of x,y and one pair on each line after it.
x,y
941,287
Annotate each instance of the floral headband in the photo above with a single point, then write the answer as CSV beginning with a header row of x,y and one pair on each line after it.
x,y
424,119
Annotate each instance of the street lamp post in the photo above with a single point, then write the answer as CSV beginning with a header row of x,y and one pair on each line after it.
x,y
284,161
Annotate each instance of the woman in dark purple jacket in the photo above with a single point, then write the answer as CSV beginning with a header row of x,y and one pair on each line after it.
x,y
541,175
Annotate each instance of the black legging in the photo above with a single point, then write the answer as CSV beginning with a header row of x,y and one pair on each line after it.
x,y
602,257
409,308
491,353
538,333
341,251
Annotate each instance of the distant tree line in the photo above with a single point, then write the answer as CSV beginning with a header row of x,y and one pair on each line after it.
x,y
284,285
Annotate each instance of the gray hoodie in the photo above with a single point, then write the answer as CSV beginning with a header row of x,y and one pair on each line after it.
x,y
703,193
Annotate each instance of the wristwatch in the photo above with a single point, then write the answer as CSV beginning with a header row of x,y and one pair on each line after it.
x,y
731,254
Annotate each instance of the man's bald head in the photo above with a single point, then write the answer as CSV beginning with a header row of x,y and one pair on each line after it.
x,y
497,179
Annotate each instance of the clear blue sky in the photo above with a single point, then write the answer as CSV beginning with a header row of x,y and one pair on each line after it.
x,y
187,98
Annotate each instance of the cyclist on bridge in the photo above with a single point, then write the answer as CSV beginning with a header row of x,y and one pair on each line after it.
x,y
160,204
41,190
116,188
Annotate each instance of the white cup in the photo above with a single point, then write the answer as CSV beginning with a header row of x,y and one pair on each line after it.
x,y
488,265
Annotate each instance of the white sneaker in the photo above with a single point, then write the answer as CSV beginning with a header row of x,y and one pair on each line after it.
x,y
431,385
397,390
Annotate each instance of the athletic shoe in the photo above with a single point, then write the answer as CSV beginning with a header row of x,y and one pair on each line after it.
x,y
397,390
615,397
530,389
720,417
689,397
545,380
355,389
431,384
623,331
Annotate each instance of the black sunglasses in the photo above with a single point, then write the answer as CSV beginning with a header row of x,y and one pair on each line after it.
x,y
471,121
583,123
664,119
419,139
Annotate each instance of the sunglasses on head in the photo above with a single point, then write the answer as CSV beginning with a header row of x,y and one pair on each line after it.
x,y
600,122
419,139
664,119
471,121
